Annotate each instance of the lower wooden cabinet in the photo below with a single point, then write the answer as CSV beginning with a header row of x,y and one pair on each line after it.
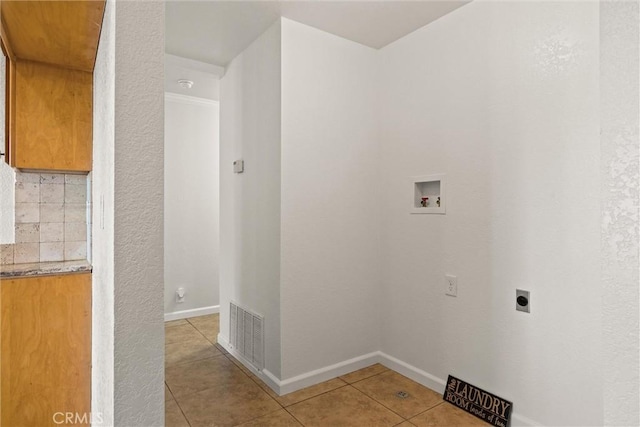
x,y
45,351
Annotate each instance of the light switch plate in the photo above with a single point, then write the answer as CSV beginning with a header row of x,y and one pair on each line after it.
x,y
238,166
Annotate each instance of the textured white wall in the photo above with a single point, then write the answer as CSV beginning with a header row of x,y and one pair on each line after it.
x,y
502,97
619,118
7,176
102,231
138,214
250,202
191,202
330,204
128,332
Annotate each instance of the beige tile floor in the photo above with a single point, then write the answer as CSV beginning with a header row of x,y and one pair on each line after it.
x,y
206,386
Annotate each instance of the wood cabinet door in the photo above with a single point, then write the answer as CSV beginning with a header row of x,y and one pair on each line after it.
x,y
53,121
45,350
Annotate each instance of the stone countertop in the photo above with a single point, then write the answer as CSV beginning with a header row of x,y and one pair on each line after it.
x,y
44,268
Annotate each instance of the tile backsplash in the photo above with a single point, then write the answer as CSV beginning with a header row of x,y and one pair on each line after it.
x,y
52,212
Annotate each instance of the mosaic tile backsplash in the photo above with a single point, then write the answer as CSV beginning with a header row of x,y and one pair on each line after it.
x,y
51,219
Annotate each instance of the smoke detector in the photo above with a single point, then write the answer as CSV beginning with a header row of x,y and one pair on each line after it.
x,y
186,84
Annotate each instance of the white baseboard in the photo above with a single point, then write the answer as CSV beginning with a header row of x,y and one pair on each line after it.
x,y
307,379
328,372
266,376
437,384
333,371
418,375
194,312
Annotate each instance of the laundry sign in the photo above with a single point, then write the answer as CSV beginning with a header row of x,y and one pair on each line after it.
x,y
484,405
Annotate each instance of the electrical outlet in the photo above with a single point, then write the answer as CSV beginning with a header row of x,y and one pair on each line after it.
x,y
523,301
180,294
451,285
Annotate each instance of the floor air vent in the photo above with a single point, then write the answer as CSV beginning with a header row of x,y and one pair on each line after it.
x,y
247,335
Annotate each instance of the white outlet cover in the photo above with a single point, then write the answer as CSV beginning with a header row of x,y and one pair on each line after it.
x,y
451,285
180,294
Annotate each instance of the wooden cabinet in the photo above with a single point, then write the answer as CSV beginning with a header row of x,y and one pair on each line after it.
x,y
63,33
51,48
45,349
53,118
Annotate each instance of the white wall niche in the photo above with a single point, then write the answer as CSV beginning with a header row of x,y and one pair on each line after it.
x,y
431,187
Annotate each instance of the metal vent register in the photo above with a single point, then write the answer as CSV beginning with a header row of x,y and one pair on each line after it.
x,y
247,335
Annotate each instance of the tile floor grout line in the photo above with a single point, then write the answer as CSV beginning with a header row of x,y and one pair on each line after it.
x,y
317,395
258,417
385,406
220,348
199,331
376,400
267,391
367,378
188,323
231,359
173,326
255,382
171,365
202,334
229,355
170,392
427,410
209,388
294,417
245,421
166,325
183,414
263,389
177,404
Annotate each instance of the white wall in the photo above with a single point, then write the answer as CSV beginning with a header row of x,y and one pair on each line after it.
x,y
502,98
191,202
128,332
330,200
102,224
250,202
620,145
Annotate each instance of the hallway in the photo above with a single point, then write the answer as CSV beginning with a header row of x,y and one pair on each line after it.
x,y
206,386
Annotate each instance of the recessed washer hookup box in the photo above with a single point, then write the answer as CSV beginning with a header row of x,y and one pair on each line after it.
x,y
484,405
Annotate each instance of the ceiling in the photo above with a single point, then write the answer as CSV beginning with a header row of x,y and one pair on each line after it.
x,y
215,31
205,77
